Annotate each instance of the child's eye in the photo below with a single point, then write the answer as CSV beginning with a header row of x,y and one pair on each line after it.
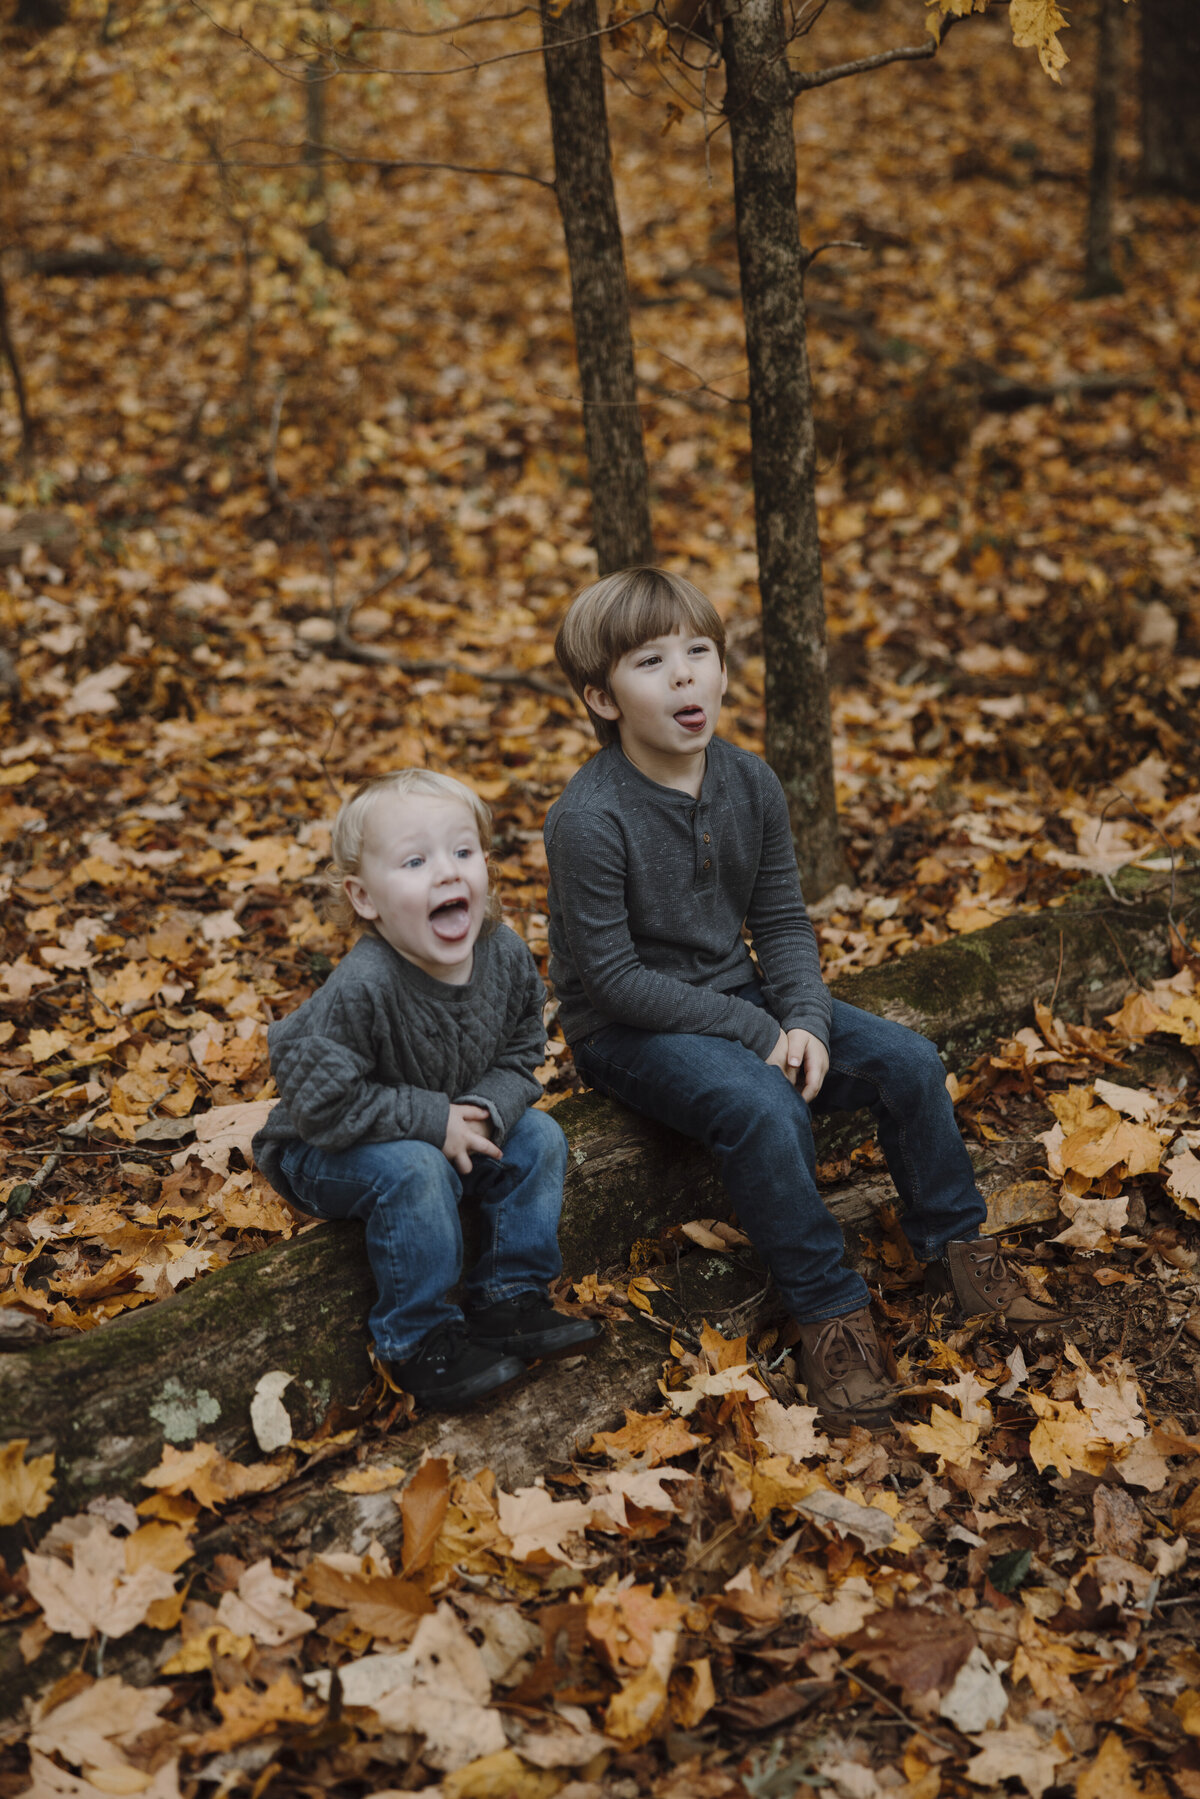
x,y
649,661
413,862
466,851
700,649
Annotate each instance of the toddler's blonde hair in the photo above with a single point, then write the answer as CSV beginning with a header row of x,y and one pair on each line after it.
x,y
354,815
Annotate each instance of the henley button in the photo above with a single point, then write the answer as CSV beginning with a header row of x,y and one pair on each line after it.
x,y
707,863
706,837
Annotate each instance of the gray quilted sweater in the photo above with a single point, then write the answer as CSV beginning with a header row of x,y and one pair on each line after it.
x,y
381,1049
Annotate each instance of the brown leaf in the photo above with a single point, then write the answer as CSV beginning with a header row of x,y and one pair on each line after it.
x,y
423,1506
764,1711
918,1650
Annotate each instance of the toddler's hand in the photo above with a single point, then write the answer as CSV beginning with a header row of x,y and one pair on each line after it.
x,y
800,1050
469,1133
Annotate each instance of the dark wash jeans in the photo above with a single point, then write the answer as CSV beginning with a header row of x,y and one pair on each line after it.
x,y
407,1195
759,1129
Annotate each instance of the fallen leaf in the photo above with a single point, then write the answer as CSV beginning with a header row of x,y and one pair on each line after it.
x,y
789,1430
261,1607
1016,1753
25,1486
423,1506
94,1592
91,1728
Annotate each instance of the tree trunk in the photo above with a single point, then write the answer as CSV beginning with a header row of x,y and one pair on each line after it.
x,y
319,234
9,348
1170,84
1099,276
316,79
799,742
599,297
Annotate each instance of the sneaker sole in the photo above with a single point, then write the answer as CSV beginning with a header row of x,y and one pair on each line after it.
x,y
469,1393
545,1348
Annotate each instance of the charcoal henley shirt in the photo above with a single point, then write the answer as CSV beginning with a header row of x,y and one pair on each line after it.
x,y
649,891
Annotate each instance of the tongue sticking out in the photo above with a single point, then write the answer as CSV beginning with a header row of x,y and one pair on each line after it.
x,y
451,921
691,717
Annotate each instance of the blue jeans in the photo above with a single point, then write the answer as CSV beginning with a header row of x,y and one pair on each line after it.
x,y
759,1128
407,1195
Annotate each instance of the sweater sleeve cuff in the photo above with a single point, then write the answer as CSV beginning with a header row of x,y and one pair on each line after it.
x,y
758,1030
430,1117
490,1107
815,1023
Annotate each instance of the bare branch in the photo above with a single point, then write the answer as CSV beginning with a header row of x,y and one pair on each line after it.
x,y
835,243
483,18
458,168
299,73
803,80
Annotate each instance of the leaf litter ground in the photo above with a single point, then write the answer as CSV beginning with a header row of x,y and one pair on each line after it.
x,y
1013,631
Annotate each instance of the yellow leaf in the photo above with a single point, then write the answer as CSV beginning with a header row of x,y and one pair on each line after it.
x,y
951,1439
639,1291
370,1480
17,774
1187,1710
634,1713
502,1775
25,1487
197,1652
247,1713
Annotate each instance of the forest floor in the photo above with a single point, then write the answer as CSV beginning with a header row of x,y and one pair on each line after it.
x,y
256,452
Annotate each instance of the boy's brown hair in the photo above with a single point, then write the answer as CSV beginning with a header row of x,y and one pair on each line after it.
x,y
619,613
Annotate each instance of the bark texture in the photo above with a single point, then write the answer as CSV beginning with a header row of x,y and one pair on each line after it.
x,y
1170,86
587,202
799,744
108,1401
1100,276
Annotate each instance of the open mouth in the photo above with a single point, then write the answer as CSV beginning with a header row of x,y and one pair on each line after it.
x,y
451,920
692,718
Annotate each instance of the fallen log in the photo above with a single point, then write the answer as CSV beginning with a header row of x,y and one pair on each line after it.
x,y
105,1403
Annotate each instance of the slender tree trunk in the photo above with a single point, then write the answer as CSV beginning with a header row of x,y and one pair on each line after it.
x,y
320,236
799,744
1170,90
599,297
316,80
1100,277
9,348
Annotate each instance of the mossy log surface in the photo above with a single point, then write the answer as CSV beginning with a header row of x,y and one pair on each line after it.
x,y
106,1403
535,1425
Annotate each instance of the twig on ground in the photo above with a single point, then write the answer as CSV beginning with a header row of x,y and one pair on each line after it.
x,y
882,1699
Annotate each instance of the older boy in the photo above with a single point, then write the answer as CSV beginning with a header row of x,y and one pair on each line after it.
x,y
661,850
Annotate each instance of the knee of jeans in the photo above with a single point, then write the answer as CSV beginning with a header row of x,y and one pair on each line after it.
x,y
541,1138
923,1066
407,1163
769,1112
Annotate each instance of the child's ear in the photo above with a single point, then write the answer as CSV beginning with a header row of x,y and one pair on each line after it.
x,y
599,701
359,898
724,680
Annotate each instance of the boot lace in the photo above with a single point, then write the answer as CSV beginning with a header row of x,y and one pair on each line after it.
x,y
996,1272
844,1346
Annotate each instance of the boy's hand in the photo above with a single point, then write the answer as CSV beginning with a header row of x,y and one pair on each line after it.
x,y
800,1050
469,1133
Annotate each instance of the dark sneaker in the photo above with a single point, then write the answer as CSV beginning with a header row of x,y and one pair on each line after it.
x,y
450,1370
842,1367
981,1278
529,1326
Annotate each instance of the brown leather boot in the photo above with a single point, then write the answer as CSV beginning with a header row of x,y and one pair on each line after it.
x,y
842,1367
981,1278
